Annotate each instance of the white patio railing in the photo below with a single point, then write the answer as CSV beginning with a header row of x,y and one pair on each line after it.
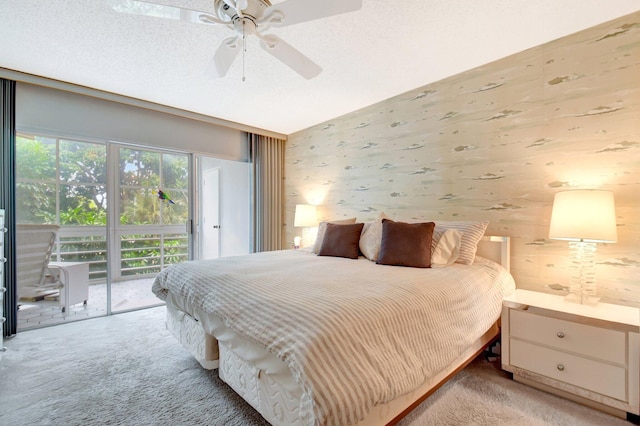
x,y
140,255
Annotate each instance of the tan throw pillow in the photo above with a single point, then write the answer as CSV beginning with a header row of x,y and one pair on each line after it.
x,y
447,249
322,227
406,244
472,232
341,240
372,238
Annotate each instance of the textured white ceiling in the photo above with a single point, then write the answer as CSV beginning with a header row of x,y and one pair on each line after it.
x,y
387,48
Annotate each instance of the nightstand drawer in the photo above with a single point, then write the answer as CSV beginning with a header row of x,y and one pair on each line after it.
x,y
595,376
595,342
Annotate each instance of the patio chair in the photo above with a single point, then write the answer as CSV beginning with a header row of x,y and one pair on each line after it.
x,y
34,244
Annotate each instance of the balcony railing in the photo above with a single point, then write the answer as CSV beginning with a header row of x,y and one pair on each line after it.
x,y
141,255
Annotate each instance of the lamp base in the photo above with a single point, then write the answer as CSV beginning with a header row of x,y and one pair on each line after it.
x,y
309,236
582,284
583,299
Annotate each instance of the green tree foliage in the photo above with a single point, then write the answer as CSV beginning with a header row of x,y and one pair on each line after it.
x,y
35,188
140,181
78,183
83,177
65,182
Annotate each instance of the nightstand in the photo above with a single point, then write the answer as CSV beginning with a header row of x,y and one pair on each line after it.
x,y
588,354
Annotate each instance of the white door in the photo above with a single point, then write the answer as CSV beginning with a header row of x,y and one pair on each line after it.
x,y
210,214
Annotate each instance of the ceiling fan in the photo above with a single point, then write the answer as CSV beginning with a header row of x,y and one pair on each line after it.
x,y
250,18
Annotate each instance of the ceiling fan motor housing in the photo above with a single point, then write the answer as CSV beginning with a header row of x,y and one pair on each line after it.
x,y
255,10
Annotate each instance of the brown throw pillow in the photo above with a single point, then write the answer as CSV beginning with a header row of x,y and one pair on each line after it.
x,y
406,244
341,240
322,228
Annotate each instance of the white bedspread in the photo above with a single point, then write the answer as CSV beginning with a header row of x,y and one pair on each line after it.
x,y
353,333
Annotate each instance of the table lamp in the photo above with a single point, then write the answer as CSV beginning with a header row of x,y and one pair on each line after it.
x,y
305,218
584,218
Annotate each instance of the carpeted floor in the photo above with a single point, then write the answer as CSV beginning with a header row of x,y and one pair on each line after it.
x,y
128,370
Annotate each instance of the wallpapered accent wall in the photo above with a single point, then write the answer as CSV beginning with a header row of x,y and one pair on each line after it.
x,y
495,143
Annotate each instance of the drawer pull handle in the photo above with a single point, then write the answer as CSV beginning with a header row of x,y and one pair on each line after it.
x,y
560,367
560,334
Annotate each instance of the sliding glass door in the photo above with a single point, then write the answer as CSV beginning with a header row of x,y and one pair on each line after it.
x,y
150,222
93,229
118,215
61,215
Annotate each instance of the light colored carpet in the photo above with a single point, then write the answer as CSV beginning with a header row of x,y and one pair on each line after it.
x,y
128,370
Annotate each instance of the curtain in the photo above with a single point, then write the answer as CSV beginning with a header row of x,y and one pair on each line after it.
x,y
8,199
267,162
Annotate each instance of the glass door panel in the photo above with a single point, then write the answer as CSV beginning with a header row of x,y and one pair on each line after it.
x,y
150,232
61,182
78,187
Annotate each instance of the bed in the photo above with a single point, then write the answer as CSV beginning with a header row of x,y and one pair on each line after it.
x,y
309,339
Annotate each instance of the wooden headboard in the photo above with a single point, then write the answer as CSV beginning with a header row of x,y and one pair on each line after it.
x,y
497,249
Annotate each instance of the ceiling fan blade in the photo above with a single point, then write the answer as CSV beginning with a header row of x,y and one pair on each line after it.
x,y
289,56
145,8
224,57
296,11
242,4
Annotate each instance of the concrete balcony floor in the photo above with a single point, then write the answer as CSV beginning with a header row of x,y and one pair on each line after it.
x,y
125,296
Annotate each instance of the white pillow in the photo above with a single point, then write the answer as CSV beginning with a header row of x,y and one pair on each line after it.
x,y
447,249
322,228
472,232
371,238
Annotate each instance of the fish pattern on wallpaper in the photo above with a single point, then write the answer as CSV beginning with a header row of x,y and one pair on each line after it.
x,y
495,143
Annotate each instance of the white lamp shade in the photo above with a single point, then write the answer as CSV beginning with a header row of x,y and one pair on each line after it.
x,y
305,216
584,215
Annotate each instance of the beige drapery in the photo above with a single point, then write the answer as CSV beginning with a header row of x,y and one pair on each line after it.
x,y
267,160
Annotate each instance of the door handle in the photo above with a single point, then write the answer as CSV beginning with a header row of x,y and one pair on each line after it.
x,y
216,226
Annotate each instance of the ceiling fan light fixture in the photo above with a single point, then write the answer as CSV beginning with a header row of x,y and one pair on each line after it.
x,y
245,26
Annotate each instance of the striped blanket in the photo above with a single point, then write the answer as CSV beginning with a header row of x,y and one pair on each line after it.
x,y
354,334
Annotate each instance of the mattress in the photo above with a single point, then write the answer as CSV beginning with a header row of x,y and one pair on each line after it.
x,y
465,298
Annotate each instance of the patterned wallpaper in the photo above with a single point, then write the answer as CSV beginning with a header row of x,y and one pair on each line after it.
x,y
495,143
